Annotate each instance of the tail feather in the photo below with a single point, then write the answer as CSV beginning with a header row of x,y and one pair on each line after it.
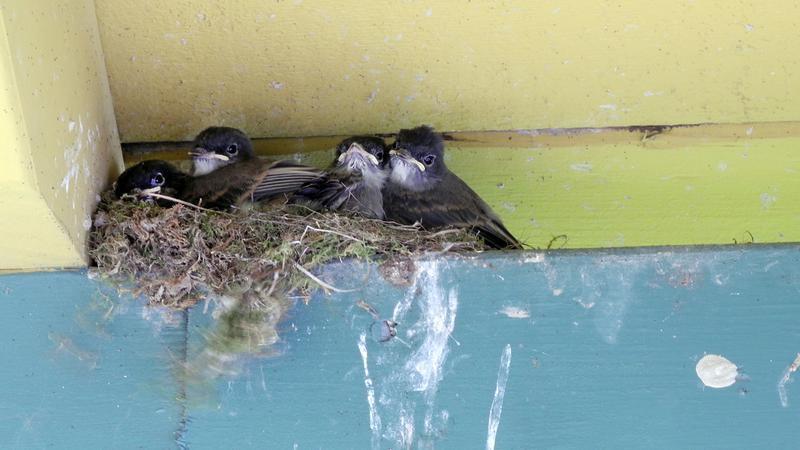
x,y
495,235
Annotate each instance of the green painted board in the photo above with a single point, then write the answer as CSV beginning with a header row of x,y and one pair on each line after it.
x,y
589,350
612,188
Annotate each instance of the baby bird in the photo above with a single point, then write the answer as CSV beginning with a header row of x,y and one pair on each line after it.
x,y
230,186
422,189
354,180
217,147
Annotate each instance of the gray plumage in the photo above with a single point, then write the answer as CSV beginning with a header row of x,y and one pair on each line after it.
x,y
354,181
422,189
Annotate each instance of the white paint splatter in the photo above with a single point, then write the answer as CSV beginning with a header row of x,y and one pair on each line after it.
x,y
609,107
610,298
418,377
767,200
374,417
372,96
429,12
515,312
534,258
785,379
652,93
749,131
277,85
557,292
499,394
770,266
437,321
71,154
406,429
508,206
581,167
716,371
749,27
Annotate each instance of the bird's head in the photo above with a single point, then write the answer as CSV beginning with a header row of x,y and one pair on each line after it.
x,y
217,147
362,154
150,177
417,158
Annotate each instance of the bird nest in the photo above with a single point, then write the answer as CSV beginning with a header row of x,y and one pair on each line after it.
x,y
179,255
249,263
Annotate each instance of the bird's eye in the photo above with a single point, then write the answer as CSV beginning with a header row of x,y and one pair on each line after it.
x,y
232,149
379,155
429,159
157,180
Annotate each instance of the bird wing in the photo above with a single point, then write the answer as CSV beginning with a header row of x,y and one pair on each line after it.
x,y
283,177
327,192
251,180
452,203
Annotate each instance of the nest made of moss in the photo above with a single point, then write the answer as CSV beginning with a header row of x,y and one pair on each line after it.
x,y
176,256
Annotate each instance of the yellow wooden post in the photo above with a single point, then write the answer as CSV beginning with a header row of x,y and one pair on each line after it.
x,y
57,131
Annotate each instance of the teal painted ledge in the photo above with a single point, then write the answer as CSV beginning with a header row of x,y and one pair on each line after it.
x,y
514,351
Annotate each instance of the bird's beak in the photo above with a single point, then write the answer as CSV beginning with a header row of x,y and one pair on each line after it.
x,y
205,153
406,156
152,190
356,148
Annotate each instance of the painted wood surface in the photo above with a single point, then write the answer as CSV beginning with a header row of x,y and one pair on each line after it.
x,y
527,350
58,133
302,68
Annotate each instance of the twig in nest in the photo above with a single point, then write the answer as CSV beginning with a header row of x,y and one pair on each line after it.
x,y
445,232
173,199
320,230
323,285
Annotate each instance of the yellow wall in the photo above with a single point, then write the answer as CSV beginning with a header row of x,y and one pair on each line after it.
x,y
303,68
57,131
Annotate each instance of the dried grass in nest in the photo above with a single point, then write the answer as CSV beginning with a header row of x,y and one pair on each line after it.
x,y
176,256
